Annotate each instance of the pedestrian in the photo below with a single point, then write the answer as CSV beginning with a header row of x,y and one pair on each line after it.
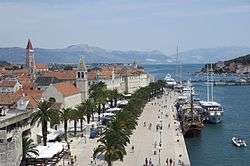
x,y
146,161
167,161
170,161
150,162
133,148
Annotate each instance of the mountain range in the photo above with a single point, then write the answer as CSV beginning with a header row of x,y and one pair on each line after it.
x,y
71,54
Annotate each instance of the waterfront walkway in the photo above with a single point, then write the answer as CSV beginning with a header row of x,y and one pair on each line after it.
x,y
145,140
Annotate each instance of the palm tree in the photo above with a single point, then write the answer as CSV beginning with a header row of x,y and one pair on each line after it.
x,y
29,149
98,92
75,117
111,151
81,113
88,106
65,115
44,115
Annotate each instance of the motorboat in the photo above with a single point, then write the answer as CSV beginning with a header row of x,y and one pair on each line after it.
x,y
170,82
238,142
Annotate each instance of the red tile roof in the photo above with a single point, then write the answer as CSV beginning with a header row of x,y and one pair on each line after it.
x,y
67,89
42,66
8,83
62,75
9,98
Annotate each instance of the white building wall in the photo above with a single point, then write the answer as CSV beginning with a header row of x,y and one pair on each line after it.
x,y
51,91
72,101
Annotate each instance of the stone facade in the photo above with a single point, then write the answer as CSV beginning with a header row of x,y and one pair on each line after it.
x,y
11,149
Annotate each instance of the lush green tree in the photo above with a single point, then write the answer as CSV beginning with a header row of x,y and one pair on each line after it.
x,y
98,92
65,115
75,117
111,151
88,107
43,116
29,149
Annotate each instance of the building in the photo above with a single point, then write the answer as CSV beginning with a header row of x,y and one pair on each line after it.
x,y
30,59
9,86
15,120
67,93
42,67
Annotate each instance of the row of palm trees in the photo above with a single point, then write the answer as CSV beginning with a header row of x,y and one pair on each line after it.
x,y
99,96
117,133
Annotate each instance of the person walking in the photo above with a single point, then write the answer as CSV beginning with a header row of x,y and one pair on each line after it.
x,y
167,161
146,161
150,162
170,161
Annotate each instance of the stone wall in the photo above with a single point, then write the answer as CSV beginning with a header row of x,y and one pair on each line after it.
x,y
11,151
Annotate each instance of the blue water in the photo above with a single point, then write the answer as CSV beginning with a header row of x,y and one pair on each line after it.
x,y
214,147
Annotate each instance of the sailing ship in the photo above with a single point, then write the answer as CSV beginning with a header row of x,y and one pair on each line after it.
x,y
212,110
191,121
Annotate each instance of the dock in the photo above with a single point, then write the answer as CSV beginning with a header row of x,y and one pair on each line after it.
x,y
157,146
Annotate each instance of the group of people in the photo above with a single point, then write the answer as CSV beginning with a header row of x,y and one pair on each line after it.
x,y
148,162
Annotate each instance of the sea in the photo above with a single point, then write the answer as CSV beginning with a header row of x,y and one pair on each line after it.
x,y
214,146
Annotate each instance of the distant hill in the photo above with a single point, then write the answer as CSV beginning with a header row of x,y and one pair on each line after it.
x,y
72,54
204,55
240,65
92,54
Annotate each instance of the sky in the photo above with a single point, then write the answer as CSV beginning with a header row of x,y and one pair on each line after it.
x,y
126,24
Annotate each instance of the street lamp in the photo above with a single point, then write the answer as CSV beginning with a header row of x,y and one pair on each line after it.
x,y
159,161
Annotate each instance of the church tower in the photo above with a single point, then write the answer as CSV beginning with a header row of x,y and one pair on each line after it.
x,y
30,60
82,79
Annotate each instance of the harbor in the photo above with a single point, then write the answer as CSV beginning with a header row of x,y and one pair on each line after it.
x,y
215,141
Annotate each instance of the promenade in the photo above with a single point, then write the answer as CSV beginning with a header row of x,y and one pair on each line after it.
x,y
157,145
147,141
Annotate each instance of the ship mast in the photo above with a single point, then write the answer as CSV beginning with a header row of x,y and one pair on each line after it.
x,y
212,82
208,93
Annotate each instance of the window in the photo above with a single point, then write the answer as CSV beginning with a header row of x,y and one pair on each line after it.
x,y
82,74
78,75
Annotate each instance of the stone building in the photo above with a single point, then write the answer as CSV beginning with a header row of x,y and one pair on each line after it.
x,y
9,86
67,93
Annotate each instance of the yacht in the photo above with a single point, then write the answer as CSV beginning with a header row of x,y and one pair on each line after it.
x,y
213,111
170,82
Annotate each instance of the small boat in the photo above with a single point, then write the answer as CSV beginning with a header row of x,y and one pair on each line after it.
x,y
170,82
238,142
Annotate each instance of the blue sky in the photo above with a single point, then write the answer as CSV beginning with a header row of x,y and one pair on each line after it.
x,y
126,24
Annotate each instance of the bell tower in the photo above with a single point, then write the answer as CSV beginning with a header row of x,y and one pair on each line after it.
x,y
82,79
30,59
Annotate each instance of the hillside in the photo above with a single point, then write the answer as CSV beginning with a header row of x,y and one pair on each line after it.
x,y
240,65
72,54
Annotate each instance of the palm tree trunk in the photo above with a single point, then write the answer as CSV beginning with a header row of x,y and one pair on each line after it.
x,y
93,118
99,111
81,123
88,118
115,102
109,163
44,132
103,108
65,129
75,123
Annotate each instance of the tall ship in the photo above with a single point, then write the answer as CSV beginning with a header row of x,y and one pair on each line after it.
x,y
191,121
212,110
